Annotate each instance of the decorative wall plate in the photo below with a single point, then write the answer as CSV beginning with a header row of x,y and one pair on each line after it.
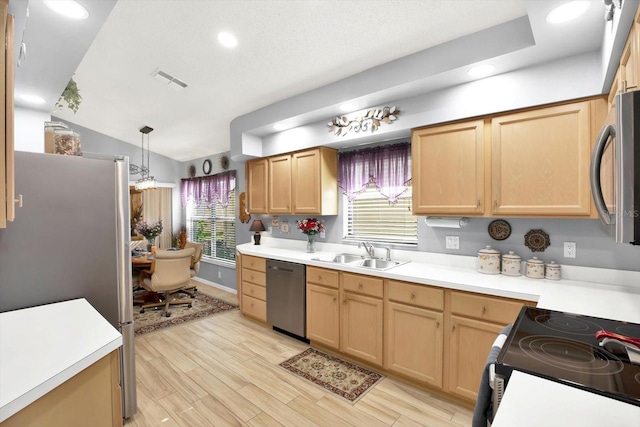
x,y
224,162
537,240
206,167
499,229
192,170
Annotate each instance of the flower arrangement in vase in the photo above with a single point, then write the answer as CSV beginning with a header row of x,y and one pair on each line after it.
x,y
149,231
310,227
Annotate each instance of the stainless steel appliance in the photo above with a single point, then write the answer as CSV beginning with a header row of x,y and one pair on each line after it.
x,y
590,353
286,294
615,169
71,240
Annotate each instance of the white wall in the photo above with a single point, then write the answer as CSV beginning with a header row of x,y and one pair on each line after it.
x,y
29,129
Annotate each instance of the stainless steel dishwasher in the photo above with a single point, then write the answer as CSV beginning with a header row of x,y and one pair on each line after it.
x,y
286,297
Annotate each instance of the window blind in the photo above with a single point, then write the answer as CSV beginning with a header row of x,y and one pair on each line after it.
x,y
215,226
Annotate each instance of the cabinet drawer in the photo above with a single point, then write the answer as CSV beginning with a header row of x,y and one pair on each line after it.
x,y
256,277
365,285
321,276
486,308
259,292
254,307
421,296
254,263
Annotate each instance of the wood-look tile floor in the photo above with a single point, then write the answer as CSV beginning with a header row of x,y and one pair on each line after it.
x,y
223,371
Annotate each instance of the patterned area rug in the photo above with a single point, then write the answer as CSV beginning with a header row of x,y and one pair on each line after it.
x,y
202,306
336,375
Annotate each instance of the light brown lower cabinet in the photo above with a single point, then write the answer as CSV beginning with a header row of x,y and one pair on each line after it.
x,y
90,398
361,332
414,342
323,315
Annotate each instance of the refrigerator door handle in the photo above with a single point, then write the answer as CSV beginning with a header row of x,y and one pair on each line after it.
x,y
125,289
607,132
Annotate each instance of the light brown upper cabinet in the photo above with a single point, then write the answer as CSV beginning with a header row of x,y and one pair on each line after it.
x,y
7,173
628,74
448,169
280,184
532,163
304,182
257,177
540,161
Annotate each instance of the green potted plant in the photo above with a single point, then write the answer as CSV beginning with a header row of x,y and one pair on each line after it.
x,y
70,96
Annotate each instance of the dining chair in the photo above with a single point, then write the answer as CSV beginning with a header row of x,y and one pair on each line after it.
x,y
195,263
169,274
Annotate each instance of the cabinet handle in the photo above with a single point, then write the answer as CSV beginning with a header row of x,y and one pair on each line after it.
x,y
453,328
495,203
479,204
319,278
359,285
18,200
344,301
484,309
437,325
335,299
413,295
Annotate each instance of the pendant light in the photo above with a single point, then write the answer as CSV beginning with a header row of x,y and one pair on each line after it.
x,y
147,181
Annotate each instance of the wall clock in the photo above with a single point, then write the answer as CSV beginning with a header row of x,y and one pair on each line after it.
x,y
206,167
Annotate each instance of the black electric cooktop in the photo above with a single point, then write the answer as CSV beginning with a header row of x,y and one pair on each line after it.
x,y
567,348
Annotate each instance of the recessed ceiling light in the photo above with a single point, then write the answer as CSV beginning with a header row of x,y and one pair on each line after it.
x,y
227,39
69,8
481,70
32,99
567,11
348,106
279,126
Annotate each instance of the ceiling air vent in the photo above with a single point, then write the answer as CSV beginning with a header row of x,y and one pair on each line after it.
x,y
169,79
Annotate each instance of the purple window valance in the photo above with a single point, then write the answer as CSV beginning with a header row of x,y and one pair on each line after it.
x,y
388,167
208,189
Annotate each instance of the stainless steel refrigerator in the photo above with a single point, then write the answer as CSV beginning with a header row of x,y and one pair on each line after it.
x,y
71,240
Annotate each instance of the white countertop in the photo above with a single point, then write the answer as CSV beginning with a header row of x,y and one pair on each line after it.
x,y
42,347
530,401
611,294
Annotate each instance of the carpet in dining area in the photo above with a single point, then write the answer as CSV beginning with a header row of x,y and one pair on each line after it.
x,y
338,376
202,306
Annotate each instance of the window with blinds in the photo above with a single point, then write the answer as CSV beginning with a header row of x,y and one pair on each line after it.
x,y
372,218
215,226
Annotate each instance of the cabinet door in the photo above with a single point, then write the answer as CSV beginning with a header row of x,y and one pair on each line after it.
x,y
323,315
469,345
414,342
306,182
257,175
280,184
629,63
9,113
362,327
540,162
448,169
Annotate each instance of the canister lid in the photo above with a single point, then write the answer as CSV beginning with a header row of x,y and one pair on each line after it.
x,y
553,264
487,250
55,125
535,260
511,255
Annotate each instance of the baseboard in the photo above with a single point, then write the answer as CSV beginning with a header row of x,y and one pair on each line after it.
x,y
215,285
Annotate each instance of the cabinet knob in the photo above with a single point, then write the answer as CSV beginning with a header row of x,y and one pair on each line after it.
x,y
495,203
413,295
344,301
320,278
437,325
479,203
335,299
484,309
453,328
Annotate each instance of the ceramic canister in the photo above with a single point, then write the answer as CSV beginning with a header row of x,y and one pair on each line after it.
x,y
489,261
535,268
511,264
552,271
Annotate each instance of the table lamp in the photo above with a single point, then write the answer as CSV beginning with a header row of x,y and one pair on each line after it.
x,y
257,226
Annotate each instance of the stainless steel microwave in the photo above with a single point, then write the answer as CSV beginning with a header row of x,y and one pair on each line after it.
x,y
615,169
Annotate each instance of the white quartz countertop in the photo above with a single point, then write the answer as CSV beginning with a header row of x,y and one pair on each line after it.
x,y
42,347
528,400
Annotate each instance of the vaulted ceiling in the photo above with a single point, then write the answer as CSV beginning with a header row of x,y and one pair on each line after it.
x,y
285,48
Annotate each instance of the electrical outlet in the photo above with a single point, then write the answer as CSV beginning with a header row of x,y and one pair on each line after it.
x,y
570,249
219,274
453,242
322,234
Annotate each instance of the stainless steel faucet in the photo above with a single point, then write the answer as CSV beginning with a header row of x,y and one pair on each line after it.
x,y
368,247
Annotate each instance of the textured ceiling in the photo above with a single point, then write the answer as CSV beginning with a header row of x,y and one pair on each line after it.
x,y
286,47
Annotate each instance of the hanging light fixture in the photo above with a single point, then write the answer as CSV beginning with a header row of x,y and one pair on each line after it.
x,y
147,181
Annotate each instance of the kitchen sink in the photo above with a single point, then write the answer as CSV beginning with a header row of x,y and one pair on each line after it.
x,y
361,261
